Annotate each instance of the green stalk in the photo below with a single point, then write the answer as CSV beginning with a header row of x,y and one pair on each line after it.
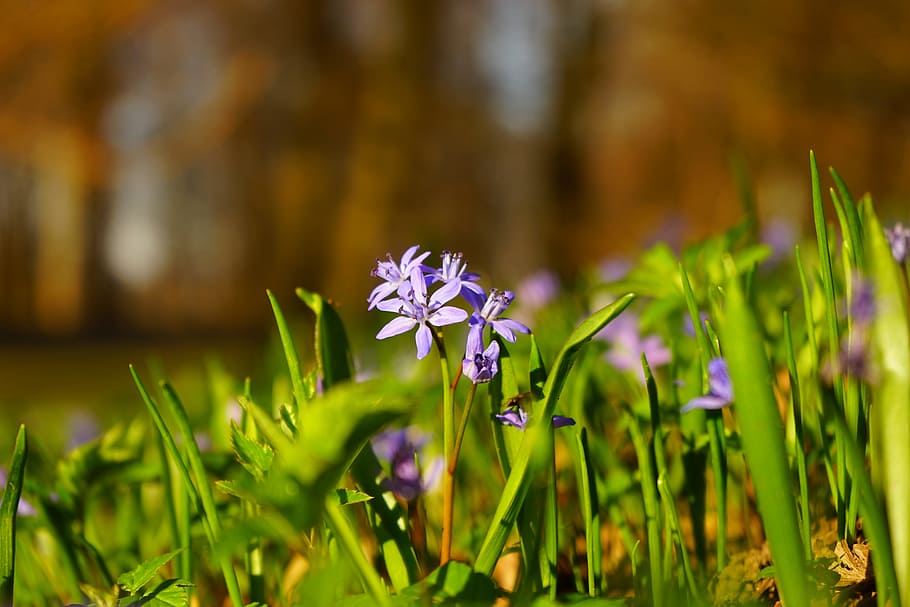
x,y
799,453
11,495
448,441
714,423
462,428
251,510
651,505
343,530
290,354
587,487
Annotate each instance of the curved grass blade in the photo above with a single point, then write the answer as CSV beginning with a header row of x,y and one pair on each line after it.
x,y
528,460
764,442
11,495
290,353
587,488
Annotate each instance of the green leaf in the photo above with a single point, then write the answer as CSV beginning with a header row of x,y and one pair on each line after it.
x,y
254,456
454,583
290,352
333,354
891,410
350,496
11,494
133,581
533,446
169,593
763,441
538,371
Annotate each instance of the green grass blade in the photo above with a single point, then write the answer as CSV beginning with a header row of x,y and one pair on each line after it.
x,y
651,503
290,353
764,442
854,225
590,510
799,453
522,468
891,424
11,495
343,530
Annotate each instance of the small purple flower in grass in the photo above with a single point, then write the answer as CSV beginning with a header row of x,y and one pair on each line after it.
x,y
627,345
517,417
720,392
401,449
899,239
538,289
416,309
481,367
454,269
396,276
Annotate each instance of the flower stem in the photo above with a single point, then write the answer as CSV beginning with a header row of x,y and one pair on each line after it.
x,y
448,440
459,438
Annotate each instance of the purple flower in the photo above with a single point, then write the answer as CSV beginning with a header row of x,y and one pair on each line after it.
x,y
517,417
416,309
720,388
627,345
538,289
689,327
781,235
401,449
453,269
396,276
496,303
481,367
862,305
899,239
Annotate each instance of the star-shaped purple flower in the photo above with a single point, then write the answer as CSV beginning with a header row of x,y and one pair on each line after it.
x,y
417,309
401,449
396,276
720,388
490,313
454,269
481,367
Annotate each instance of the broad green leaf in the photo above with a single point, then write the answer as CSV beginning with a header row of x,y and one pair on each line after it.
x,y
351,496
333,354
133,581
538,371
169,593
11,494
891,406
537,435
763,441
454,583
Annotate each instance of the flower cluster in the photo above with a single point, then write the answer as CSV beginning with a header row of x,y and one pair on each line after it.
x,y
405,290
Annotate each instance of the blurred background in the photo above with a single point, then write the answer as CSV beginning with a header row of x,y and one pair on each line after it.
x,y
163,163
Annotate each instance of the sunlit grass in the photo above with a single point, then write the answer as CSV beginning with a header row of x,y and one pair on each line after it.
x,y
788,465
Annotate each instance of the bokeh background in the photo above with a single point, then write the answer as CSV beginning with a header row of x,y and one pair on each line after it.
x,y
163,163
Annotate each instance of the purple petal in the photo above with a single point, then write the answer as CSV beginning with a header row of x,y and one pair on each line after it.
x,y
424,339
446,315
503,330
472,293
719,379
390,305
492,351
406,257
559,421
396,326
513,325
474,342
387,444
705,402
379,293
513,417
419,285
446,292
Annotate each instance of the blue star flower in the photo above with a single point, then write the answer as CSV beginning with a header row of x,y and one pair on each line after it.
x,y
396,276
417,309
